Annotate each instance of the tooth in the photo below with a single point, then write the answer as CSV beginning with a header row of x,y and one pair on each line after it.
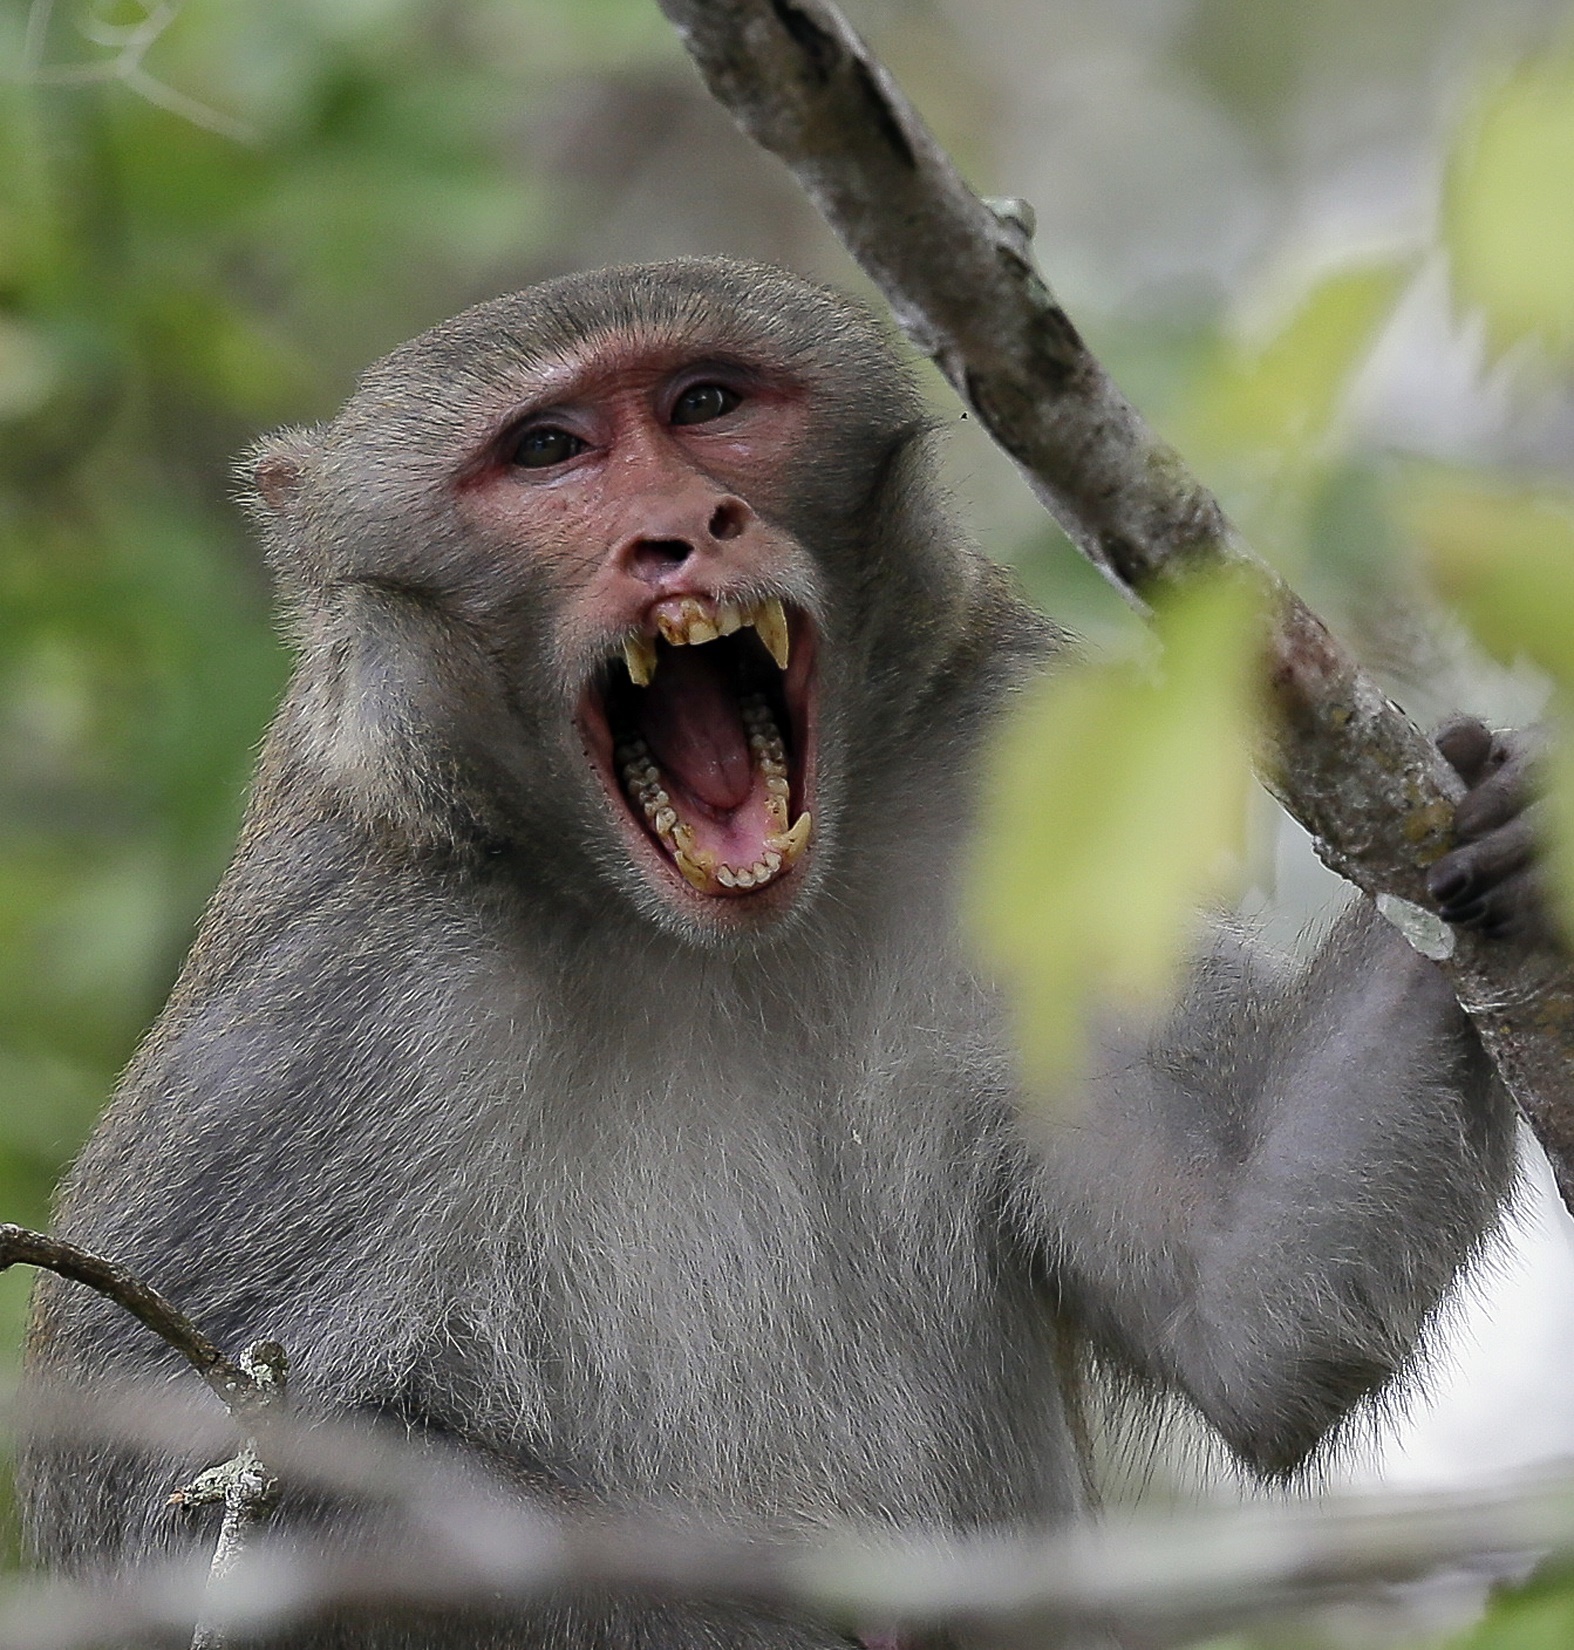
x,y
791,844
683,841
776,807
701,630
729,617
744,879
770,621
697,874
665,819
726,877
776,785
772,861
639,654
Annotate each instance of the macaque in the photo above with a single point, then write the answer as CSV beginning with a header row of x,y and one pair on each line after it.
x,y
581,1062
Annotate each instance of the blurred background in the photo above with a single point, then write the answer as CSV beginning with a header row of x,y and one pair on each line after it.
x,y
1326,245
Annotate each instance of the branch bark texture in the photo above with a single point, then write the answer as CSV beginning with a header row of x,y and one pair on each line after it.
x,y
231,1381
959,276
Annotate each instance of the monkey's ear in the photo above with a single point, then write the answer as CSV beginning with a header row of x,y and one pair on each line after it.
x,y
274,471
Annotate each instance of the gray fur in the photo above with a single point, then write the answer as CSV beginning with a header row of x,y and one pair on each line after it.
x,y
746,1230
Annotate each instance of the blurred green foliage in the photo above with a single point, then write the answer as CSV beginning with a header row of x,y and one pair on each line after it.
x,y
1118,806
1510,233
1536,1616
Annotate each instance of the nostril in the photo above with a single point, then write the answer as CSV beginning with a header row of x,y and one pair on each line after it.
x,y
656,556
729,519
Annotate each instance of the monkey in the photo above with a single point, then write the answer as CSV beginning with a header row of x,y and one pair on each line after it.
x,y
582,1060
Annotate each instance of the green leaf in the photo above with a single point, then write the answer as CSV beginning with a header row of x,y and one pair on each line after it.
x,y
1286,394
1504,556
1115,807
1507,221
1541,1617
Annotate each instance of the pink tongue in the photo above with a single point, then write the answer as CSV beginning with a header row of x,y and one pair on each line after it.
x,y
690,719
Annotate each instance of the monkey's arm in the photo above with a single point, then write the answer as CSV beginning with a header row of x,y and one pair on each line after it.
x,y
1262,1208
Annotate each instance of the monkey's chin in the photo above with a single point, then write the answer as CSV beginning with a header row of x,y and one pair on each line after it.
x,y
704,740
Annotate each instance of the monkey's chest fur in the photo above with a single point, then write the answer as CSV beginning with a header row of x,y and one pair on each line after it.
x,y
718,1239
721,1257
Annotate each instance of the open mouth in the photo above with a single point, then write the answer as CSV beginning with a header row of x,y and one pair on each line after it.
x,y
703,732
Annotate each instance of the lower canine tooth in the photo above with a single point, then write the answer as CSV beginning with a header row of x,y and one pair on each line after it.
x,y
791,844
699,875
639,654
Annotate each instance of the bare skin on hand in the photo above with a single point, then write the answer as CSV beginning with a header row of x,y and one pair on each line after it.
x,y
1491,881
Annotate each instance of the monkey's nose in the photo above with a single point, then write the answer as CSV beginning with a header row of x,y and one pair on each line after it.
x,y
652,559
680,530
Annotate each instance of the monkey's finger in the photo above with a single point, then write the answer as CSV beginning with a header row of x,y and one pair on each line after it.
x,y
1515,908
1466,743
1478,867
1499,797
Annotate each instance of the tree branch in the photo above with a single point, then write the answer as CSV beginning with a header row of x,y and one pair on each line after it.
x,y
1367,784
251,1389
229,1380
460,1541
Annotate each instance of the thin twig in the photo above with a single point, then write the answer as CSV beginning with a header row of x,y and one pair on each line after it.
x,y
1374,793
243,1485
129,44
252,1389
20,1246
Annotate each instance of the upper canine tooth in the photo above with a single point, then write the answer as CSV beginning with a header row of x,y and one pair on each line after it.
x,y
639,654
770,620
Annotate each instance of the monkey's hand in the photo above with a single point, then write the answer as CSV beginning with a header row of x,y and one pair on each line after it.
x,y
1491,882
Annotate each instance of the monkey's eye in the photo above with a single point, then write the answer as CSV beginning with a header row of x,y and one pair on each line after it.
x,y
545,446
700,403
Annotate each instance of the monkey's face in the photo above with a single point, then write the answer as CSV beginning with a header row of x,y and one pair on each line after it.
x,y
641,478
638,578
